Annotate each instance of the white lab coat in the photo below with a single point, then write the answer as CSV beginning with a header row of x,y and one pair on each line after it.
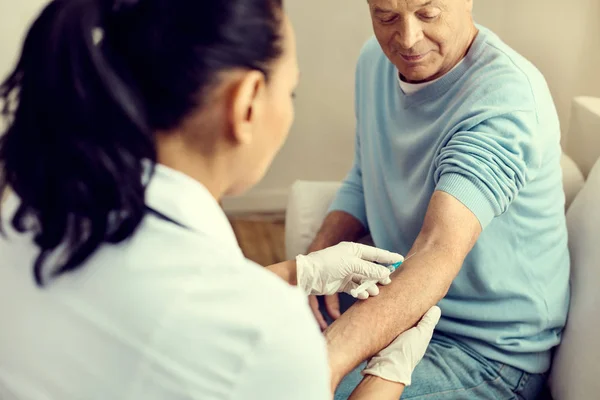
x,y
172,313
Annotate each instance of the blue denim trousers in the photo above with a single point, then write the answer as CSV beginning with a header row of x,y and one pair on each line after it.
x,y
452,371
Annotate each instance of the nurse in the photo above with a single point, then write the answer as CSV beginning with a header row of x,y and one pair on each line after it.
x,y
120,277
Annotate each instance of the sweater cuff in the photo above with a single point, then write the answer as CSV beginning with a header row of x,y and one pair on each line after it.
x,y
471,194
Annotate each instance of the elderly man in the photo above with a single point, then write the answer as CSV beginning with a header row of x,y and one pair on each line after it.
x,y
457,166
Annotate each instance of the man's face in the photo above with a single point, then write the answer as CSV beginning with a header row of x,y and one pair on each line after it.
x,y
424,39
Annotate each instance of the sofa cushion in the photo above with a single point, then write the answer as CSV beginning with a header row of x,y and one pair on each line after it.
x,y
307,207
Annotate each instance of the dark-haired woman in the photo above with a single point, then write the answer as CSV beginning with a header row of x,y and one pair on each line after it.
x,y
120,277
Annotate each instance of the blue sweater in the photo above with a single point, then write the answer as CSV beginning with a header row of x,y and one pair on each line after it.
x,y
488,134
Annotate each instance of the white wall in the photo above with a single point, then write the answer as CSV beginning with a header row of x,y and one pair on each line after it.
x,y
15,19
562,38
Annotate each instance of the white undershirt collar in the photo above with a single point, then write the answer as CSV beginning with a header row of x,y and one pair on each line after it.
x,y
411,88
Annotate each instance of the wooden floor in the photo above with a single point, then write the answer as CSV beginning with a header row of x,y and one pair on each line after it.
x,y
261,237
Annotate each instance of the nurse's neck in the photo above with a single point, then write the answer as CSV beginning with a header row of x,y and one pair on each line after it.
x,y
208,168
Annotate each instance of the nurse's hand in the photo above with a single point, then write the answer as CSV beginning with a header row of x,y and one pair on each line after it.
x,y
346,267
397,362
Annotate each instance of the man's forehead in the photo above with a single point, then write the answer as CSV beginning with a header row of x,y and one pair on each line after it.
x,y
391,5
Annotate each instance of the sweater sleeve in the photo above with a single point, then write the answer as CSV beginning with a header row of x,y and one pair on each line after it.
x,y
486,167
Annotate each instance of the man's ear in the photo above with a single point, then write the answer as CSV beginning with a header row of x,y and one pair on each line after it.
x,y
245,105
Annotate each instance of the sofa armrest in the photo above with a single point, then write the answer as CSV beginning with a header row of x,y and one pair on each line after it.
x,y
576,369
307,208
583,136
573,179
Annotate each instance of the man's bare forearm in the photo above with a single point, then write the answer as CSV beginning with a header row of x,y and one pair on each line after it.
x,y
338,227
424,279
367,327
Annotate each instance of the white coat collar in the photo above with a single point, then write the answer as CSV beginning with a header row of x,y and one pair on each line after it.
x,y
189,203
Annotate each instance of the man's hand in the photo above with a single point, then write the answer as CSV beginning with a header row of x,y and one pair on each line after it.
x,y
345,268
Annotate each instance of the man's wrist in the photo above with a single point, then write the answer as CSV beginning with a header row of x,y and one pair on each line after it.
x,y
376,384
373,387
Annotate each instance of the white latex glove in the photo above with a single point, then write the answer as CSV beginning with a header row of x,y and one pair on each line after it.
x,y
343,268
397,362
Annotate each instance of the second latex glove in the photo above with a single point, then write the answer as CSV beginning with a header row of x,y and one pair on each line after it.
x,y
344,267
397,362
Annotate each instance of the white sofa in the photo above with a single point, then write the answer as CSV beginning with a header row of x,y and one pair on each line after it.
x,y
576,368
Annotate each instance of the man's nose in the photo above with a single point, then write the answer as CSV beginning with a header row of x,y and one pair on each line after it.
x,y
409,33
